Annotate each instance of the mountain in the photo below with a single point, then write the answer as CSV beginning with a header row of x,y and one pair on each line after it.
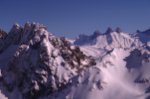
x,y
123,63
87,39
144,36
35,64
111,39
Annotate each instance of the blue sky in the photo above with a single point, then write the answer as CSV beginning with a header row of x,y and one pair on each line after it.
x,y
70,18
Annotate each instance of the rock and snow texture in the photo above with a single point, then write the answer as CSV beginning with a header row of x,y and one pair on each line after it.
x,y
87,39
34,64
123,61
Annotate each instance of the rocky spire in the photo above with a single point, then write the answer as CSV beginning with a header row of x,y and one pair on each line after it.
x,y
96,34
109,30
118,30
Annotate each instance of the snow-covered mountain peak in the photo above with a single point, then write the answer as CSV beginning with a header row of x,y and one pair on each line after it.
x,y
39,63
87,39
35,64
116,39
109,39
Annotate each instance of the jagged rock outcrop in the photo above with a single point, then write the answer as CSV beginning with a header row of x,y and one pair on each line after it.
x,y
87,39
3,34
42,63
118,30
109,30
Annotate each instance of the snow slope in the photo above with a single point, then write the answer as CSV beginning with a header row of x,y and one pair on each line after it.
x,y
123,62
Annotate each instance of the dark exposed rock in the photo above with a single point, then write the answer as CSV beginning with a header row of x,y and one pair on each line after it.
x,y
3,34
109,30
134,60
118,30
87,39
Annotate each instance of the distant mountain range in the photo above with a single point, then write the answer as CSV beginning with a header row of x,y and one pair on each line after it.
x,y
35,64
